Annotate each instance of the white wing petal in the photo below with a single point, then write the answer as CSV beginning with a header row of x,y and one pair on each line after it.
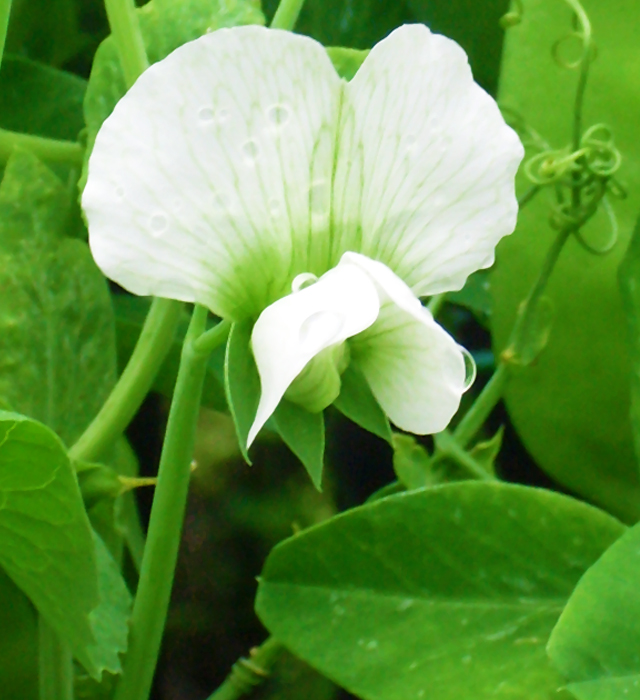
x,y
415,369
212,175
425,171
295,329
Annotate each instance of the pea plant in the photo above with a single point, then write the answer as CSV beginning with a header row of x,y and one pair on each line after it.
x,y
283,234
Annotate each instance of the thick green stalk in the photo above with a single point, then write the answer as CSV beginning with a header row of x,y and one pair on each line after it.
x,y
55,665
167,515
125,31
5,11
286,15
51,150
134,384
246,674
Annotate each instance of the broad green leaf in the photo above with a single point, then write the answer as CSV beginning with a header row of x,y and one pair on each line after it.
x,y
49,550
303,433
18,643
57,347
131,313
357,402
596,643
629,277
446,593
242,382
571,407
37,99
475,295
165,25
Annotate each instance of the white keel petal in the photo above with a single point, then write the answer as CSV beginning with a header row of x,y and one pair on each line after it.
x,y
415,369
292,331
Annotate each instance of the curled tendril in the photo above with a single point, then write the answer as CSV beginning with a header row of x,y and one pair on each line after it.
x,y
514,16
530,137
590,49
613,236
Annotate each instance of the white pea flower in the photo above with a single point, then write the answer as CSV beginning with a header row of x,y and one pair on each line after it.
x,y
242,173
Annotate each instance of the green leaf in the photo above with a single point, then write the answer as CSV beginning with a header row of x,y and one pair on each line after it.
x,y
629,278
596,643
412,464
570,408
303,433
445,593
47,546
131,312
18,643
242,382
57,346
475,295
357,403
37,99
165,25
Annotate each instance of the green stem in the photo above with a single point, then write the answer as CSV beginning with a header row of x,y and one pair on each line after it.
x,y
125,31
50,150
485,403
286,15
5,12
134,384
165,526
246,674
435,303
55,665
448,446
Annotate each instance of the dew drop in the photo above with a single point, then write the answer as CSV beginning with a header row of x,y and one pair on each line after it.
x,y
158,224
405,604
278,115
274,207
371,645
470,368
223,115
321,328
250,149
206,115
302,281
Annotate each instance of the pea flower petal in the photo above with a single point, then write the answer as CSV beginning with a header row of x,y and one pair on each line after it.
x,y
292,331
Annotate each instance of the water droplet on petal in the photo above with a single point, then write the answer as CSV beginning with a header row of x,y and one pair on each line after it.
x,y
206,115
303,280
278,115
223,115
470,368
177,205
321,328
274,207
250,150
158,224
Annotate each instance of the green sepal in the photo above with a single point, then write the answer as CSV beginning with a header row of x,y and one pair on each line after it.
x,y
596,642
241,382
413,464
358,404
303,433
346,61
